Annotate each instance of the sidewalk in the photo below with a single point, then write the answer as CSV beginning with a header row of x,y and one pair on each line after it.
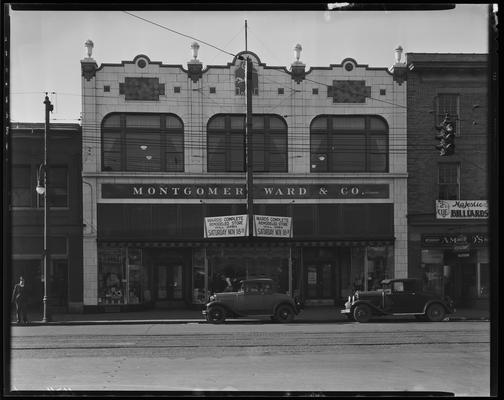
x,y
319,314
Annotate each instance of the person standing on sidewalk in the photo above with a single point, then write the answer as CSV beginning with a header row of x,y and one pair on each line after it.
x,y
19,298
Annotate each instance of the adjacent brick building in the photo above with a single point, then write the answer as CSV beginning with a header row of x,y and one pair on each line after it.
x,y
448,245
26,213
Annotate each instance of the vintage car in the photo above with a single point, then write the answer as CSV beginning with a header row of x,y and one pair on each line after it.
x,y
398,297
255,298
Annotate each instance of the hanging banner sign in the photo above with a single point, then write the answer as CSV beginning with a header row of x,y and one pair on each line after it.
x,y
226,226
461,209
271,226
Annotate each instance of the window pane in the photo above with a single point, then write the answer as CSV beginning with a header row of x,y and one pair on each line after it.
x,y
318,143
319,152
143,121
173,123
237,122
111,161
216,162
143,151
377,124
217,123
377,153
112,121
277,123
349,123
21,186
174,143
448,178
174,162
278,162
58,187
259,150
216,142
236,152
348,153
216,152
258,122
319,123
111,141
278,142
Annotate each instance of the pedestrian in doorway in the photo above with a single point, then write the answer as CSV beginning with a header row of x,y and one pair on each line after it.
x,y
19,299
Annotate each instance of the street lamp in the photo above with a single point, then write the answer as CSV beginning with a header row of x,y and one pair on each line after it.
x,y
41,189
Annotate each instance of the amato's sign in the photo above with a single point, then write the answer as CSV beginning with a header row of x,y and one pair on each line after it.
x,y
461,209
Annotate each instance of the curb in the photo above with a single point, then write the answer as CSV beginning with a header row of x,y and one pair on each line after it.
x,y
203,321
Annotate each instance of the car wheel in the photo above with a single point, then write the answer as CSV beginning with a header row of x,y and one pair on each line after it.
x,y
435,312
284,313
362,313
216,315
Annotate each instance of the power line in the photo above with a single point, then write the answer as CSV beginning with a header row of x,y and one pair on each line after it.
x,y
179,33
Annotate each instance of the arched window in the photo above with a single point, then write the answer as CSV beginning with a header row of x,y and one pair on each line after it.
x,y
142,142
226,143
349,143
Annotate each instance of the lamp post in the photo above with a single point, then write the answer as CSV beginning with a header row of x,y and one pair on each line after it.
x,y
41,189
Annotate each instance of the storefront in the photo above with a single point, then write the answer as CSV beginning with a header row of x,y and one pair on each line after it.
x,y
457,265
155,254
159,158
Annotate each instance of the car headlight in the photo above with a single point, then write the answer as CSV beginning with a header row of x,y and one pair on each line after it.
x,y
212,298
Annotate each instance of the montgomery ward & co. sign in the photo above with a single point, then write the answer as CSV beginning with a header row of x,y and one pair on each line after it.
x,y
233,191
461,209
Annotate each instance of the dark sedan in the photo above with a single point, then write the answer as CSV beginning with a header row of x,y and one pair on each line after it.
x,y
398,297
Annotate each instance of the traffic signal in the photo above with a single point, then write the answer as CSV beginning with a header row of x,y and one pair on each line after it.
x,y
446,137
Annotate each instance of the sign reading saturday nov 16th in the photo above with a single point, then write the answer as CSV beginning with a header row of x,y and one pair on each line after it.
x,y
234,191
237,226
226,226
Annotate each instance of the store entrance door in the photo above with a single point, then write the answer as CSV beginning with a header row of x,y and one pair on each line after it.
x,y
168,280
321,280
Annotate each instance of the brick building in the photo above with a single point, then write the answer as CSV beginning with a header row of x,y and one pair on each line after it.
x,y
448,239
163,148
26,215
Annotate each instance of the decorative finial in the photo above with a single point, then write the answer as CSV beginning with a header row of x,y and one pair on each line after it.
x,y
195,47
398,54
89,45
297,51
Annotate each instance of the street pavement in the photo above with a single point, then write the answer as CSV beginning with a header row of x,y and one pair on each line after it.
x,y
449,357
319,314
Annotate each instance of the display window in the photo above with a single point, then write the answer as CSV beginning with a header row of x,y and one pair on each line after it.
x,y
112,276
380,265
122,277
199,293
228,266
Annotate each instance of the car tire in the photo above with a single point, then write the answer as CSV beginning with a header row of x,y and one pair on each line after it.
x,y
435,312
362,313
284,313
216,315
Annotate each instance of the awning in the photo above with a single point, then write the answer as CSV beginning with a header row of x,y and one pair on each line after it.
x,y
252,242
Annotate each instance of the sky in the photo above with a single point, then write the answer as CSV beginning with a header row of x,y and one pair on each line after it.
x,y
46,46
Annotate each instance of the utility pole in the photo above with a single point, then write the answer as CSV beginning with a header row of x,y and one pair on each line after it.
x,y
249,159
48,109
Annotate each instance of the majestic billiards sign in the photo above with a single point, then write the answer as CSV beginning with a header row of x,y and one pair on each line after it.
x,y
235,191
461,209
